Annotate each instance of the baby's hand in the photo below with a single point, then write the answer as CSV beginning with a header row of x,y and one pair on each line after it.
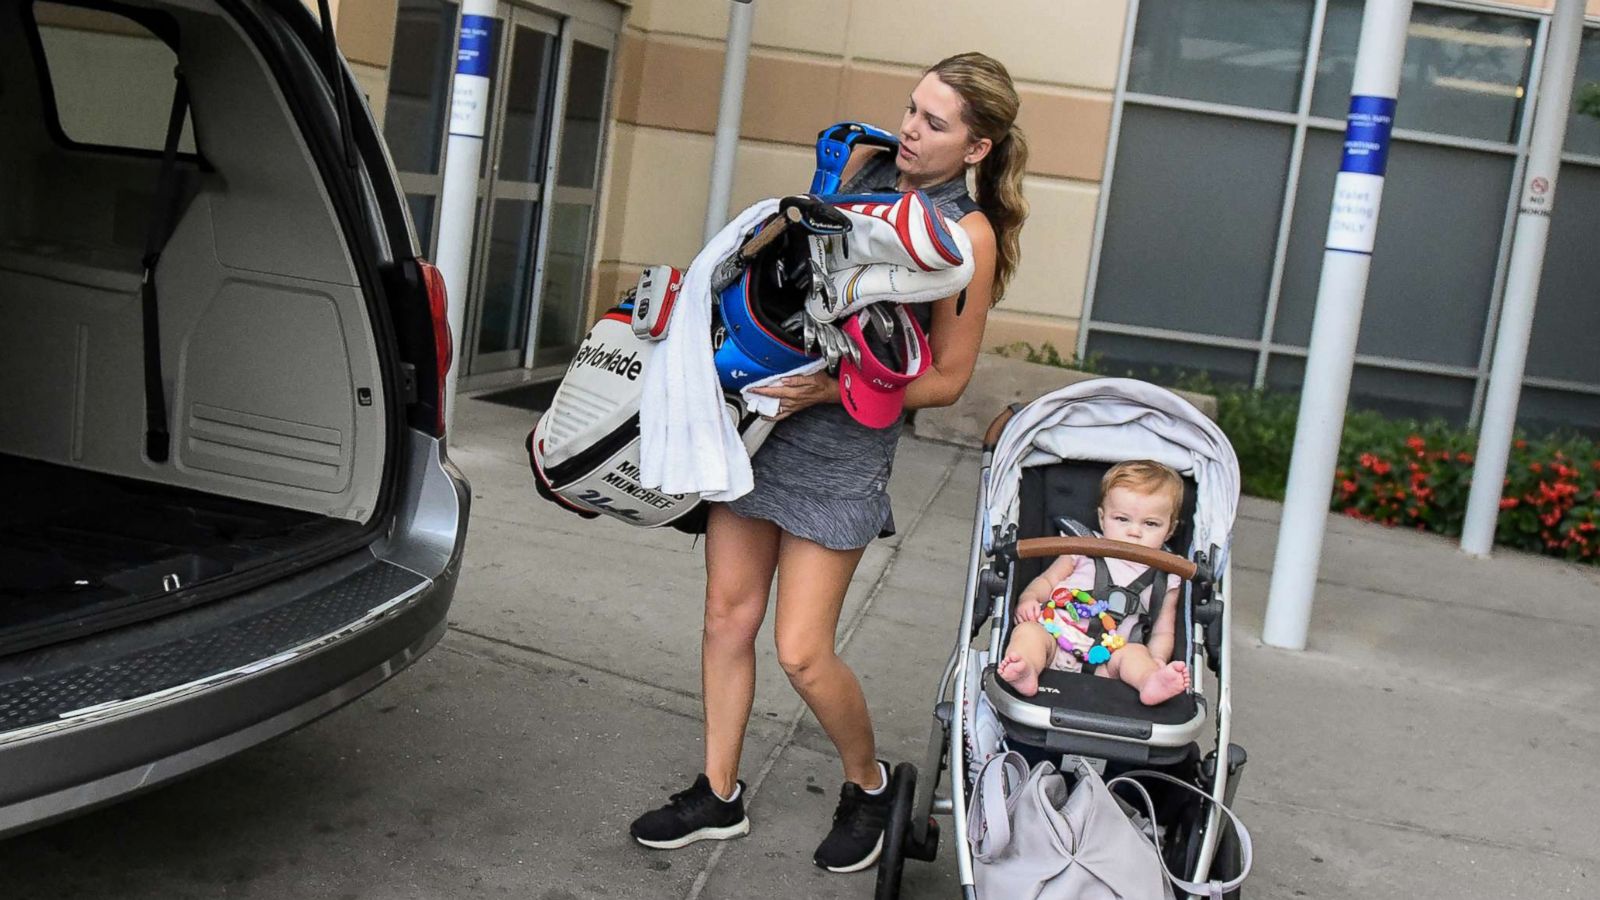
x,y
1028,610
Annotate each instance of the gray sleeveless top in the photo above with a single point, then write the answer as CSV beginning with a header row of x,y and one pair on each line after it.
x,y
821,475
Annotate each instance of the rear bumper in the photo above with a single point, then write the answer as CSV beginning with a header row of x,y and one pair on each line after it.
x,y
88,723
82,766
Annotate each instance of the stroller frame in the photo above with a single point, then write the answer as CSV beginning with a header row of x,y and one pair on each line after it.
x,y
912,831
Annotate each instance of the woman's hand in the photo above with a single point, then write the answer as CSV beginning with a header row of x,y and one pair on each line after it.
x,y
798,392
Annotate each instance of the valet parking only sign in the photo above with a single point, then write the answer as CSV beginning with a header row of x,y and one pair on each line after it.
x,y
1358,188
469,103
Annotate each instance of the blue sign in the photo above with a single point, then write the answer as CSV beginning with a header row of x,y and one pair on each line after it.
x,y
1366,135
475,56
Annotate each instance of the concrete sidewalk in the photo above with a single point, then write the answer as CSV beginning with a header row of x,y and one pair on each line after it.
x,y
1436,740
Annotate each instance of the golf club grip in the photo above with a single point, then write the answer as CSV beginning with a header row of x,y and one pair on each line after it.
x,y
1170,563
769,233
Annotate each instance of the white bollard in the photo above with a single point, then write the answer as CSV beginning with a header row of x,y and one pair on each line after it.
x,y
1346,261
1522,277
458,198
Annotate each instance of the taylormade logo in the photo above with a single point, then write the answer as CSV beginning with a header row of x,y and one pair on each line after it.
x,y
610,359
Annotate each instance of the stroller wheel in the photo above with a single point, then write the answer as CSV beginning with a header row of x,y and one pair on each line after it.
x,y
902,790
1229,861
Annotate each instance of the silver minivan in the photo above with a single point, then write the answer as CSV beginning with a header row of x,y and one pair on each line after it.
x,y
225,506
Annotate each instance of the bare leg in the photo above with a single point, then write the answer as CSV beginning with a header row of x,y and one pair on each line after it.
x,y
812,581
1028,653
741,555
1156,682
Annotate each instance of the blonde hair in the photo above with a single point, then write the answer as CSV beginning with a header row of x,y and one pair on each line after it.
x,y
989,106
1144,476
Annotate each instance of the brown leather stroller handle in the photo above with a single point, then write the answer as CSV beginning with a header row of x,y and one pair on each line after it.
x,y
992,436
1170,563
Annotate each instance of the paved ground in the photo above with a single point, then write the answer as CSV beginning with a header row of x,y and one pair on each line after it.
x,y
1438,739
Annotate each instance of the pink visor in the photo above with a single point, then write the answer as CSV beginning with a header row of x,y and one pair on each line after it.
x,y
874,392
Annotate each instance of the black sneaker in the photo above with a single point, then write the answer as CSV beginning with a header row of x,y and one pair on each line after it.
x,y
696,814
857,835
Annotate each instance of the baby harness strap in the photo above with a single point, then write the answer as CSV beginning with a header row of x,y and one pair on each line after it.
x,y
1123,600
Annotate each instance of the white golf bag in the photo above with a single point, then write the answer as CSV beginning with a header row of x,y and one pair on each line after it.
x,y
584,451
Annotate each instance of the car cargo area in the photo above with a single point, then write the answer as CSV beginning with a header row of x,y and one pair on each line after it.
x,y
77,544
257,347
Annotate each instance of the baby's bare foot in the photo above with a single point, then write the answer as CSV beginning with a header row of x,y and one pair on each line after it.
x,y
1016,670
1165,683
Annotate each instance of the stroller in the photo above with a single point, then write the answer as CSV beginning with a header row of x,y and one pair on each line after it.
x,y
1041,469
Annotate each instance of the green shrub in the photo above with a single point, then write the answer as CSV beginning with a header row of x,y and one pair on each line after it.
x,y
1047,354
1550,502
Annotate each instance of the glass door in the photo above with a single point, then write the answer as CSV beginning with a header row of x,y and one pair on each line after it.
x,y
573,197
511,191
417,105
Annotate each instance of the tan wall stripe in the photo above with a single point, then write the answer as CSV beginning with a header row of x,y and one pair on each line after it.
x,y
787,99
1004,329
366,30
674,84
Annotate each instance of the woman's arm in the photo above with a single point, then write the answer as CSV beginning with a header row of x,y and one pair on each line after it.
x,y
957,339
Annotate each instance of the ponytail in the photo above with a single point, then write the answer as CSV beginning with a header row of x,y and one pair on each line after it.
x,y
989,109
999,182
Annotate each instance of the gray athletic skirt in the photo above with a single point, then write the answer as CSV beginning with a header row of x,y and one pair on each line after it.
x,y
823,476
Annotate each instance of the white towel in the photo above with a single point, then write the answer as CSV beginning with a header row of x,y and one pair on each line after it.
x,y
687,442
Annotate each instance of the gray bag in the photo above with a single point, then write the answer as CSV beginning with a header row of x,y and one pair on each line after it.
x,y
1032,840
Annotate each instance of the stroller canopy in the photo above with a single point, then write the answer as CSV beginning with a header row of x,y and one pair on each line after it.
x,y
1117,419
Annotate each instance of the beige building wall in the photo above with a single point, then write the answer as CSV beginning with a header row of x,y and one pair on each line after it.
x,y
815,62
365,29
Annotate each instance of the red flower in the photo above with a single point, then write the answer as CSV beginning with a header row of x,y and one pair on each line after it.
x,y
1464,458
1520,444
1381,467
1509,502
1349,487
1535,468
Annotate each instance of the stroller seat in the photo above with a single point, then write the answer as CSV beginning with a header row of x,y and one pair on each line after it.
x,y
1076,712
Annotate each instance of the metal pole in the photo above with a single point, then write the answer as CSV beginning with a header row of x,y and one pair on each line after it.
x,y
1346,261
458,198
728,112
1522,279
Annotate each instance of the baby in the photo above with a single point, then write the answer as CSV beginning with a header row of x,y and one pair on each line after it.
x,y
1139,503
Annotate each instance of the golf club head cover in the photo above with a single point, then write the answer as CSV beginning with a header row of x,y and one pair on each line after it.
x,y
901,251
904,229
817,216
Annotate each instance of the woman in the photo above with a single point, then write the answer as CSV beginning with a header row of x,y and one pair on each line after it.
x,y
820,479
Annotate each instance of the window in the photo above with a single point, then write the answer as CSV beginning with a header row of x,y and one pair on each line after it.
x,y
125,100
1239,52
1211,251
1465,73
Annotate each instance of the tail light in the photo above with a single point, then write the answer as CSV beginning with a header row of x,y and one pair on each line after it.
x,y
443,346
